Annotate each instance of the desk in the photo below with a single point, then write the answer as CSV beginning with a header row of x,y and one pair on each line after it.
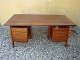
x,y
38,20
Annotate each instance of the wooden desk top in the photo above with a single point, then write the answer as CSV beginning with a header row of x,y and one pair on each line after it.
x,y
39,20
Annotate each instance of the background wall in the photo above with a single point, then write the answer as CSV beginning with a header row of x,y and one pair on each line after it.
x,y
70,8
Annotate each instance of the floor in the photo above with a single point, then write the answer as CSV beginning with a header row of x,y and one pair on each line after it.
x,y
39,47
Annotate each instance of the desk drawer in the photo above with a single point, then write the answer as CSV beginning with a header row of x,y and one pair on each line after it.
x,y
60,31
19,34
61,38
60,34
19,29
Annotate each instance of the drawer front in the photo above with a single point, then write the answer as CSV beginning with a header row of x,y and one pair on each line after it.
x,y
19,29
59,37
61,31
60,34
19,36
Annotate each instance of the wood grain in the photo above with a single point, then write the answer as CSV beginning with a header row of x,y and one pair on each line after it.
x,y
36,20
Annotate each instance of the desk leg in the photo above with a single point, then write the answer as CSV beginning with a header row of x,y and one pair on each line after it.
x,y
49,32
13,44
11,38
66,43
30,32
